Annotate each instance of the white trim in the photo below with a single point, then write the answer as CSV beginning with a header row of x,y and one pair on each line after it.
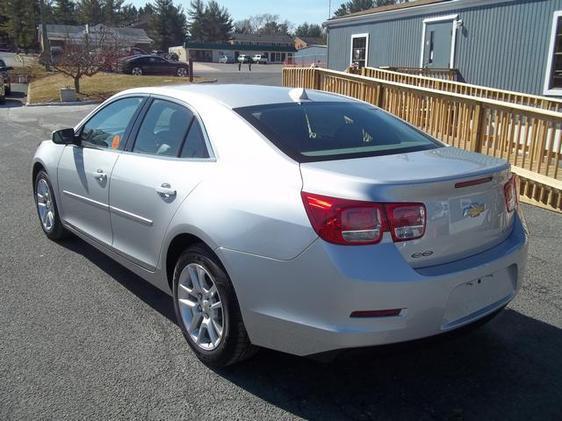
x,y
548,73
454,20
353,36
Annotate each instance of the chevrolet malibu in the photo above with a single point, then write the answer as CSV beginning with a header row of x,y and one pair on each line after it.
x,y
295,220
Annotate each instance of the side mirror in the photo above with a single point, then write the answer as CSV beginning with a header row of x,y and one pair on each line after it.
x,y
65,137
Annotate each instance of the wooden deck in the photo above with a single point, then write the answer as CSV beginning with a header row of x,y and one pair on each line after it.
x,y
529,137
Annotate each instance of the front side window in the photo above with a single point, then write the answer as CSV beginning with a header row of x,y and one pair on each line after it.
x,y
554,73
319,131
359,50
163,129
106,129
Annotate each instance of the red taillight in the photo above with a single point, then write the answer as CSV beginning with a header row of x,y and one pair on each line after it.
x,y
343,221
406,220
511,194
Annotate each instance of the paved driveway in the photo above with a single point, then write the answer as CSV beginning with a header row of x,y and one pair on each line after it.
x,y
82,337
261,74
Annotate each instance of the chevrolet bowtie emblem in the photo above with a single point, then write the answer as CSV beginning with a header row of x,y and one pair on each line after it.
x,y
474,209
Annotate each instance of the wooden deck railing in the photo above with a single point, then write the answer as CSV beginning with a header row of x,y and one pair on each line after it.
x,y
464,88
529,138
444,74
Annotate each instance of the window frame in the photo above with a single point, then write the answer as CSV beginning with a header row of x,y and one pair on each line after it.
x,y
355,36
547,90
128,130
128,149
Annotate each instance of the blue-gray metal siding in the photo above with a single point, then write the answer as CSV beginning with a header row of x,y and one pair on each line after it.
x,y
501,45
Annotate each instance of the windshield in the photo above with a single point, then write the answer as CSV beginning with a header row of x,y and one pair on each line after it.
x,y
318,131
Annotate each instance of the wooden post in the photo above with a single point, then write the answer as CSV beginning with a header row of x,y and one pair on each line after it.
x,y
477,126
190,66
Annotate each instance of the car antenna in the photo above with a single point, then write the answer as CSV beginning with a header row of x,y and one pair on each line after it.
x,y
299,95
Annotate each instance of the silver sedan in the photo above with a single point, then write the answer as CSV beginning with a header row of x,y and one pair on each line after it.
x,y
299,221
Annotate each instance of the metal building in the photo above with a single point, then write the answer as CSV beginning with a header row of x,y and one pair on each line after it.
x,y
507,44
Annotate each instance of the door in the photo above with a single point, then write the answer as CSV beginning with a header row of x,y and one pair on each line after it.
x,y
437,44
84,171
152,179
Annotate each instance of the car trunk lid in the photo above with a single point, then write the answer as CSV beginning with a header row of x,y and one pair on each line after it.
x,y
463,193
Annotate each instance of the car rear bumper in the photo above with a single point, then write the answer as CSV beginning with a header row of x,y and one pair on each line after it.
x,y
303,306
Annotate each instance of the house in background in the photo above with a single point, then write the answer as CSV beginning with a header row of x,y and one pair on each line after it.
x,y
276,48
507,44
58,35
304,42
314,54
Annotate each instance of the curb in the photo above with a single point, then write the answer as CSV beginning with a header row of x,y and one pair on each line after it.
x,y
63,103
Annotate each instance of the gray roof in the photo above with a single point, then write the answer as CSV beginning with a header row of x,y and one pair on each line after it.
x,y
313,40
255,38
129,35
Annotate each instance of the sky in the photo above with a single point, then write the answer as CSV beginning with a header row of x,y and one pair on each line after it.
x,y
295,11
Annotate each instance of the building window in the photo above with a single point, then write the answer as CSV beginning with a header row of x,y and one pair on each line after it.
x,y
553,77
359,49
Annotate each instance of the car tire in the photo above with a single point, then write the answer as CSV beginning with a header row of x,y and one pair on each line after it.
x,y
136,71
182,72
233,344
51,225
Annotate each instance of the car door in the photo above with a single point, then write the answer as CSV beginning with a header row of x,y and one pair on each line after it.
x,y
164,161
84,170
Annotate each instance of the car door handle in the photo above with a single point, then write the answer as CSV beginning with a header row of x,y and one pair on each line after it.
x,y
166,191
101,176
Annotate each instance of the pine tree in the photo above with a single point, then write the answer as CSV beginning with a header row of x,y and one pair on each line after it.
x,y
167,24
209,22
64,12
111,12
21,17
90,12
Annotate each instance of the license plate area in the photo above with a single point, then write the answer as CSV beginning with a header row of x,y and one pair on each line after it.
x,y
475,298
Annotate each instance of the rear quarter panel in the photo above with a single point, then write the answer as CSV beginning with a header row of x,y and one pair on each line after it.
x,y
251,203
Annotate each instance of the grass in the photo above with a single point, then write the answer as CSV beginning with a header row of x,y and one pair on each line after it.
x,y
98,87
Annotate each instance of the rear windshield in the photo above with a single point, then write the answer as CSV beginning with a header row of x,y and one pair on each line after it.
x,y
319,131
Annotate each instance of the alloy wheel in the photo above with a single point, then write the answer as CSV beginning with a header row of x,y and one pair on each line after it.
x,y
45,204
182,72
201,307
137,71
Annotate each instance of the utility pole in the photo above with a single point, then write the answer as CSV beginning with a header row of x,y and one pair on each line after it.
x,y
46,53
329,9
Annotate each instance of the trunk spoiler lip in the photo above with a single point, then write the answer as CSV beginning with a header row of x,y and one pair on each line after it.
x,y
483,172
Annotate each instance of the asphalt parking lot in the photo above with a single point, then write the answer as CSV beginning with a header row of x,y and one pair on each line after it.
x,y
82,337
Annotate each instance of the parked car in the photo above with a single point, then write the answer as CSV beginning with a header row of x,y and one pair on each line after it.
x,y
153,65
260,59
300,221
224,59
4,72
243,58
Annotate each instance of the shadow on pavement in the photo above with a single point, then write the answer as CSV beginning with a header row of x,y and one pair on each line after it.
x,y
158,300
10,102
510,368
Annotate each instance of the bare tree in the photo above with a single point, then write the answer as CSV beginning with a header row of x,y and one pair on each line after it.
x,y
87,54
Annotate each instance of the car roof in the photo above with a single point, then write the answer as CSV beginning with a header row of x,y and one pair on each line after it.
x,y
238,95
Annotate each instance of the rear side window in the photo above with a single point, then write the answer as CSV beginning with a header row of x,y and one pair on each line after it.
x,y
318,131
195,146
163,129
